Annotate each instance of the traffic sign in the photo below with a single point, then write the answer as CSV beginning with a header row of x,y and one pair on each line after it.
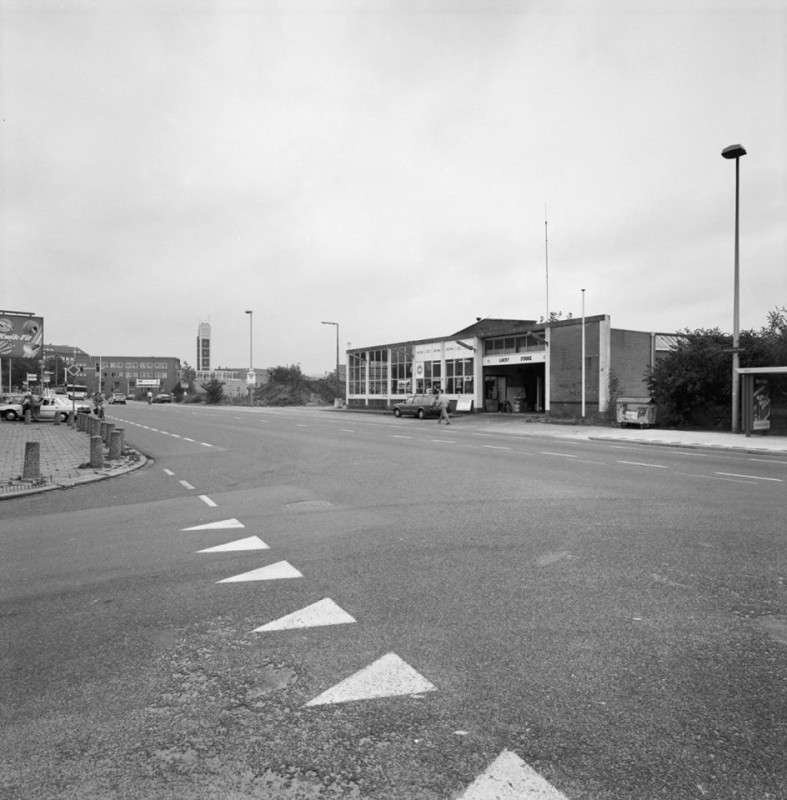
x,y
73,370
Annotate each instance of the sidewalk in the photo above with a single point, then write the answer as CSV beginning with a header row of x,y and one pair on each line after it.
x,y
64,458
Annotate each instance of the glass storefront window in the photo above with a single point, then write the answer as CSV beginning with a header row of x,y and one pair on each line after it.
x,y
459,376
378,371
357,364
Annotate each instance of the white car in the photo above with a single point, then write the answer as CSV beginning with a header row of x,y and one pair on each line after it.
x,y
11,406
58,404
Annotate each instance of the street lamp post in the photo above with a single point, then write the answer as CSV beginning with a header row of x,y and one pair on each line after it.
x,y
338,385
736,151
251,357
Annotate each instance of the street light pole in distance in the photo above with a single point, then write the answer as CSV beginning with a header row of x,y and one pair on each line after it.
x,y
251,357
338,385
736,151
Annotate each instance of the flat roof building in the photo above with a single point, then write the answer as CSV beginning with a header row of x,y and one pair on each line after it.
x,y
512,365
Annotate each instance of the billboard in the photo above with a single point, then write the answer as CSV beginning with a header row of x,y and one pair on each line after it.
x,y
21,336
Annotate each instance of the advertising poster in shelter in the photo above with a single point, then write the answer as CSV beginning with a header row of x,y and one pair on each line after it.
x,y
761,404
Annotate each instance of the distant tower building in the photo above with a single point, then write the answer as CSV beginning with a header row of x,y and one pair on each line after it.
x,y
203,347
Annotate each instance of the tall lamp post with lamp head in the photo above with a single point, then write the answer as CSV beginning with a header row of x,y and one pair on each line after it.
x,y
251,357
736,151
338,385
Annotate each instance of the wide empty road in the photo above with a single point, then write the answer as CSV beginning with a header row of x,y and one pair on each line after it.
x,y
300,603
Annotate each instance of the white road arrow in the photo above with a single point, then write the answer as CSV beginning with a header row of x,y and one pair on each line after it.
x,y
249,543
509,778
214,526
389,676
323,612
273,572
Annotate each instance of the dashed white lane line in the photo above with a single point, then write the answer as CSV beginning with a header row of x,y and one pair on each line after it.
x,y
642,464
767,460
186,484
208,502
400,436
561,455
509,778
346,430
748,477
205,444
714,478
168,472
186,439
495,447
443,441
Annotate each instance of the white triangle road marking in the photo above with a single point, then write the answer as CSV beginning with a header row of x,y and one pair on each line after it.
x,y
389,676
214,526
509,778
249,543
273,572
323,612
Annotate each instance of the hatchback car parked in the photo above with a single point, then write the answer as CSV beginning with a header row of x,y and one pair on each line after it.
x,y
162,398
418,405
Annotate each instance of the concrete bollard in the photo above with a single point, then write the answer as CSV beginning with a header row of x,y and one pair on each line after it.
x,y
27,416
56,418
32,467
71,419
103,432
122,432
96,452
115,445
94,426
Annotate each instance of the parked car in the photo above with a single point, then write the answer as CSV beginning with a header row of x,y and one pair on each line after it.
x,y
57,404
162,398
417,405
117,397
11,406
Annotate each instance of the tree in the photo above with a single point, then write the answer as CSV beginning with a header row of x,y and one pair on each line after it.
x,y
214,391
189,374
693,383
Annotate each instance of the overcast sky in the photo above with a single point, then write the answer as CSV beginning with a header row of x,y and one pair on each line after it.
x,y
385,165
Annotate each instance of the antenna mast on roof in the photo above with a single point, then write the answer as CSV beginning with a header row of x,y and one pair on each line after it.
x,y
546,258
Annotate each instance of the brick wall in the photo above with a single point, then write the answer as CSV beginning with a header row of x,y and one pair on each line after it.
x,y
629,361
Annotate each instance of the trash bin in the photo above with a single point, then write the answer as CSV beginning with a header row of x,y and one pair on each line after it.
x,y
639,411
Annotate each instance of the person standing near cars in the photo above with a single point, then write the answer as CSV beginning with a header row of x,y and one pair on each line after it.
x,y
442,404
150,397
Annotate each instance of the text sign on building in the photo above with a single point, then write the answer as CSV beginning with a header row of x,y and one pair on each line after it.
x,y
21,336
515,358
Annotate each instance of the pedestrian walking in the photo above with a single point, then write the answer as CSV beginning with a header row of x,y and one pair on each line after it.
x,y
98,405
150,397
442,404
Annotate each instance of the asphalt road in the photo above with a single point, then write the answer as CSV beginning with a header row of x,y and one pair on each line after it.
x,y
494,616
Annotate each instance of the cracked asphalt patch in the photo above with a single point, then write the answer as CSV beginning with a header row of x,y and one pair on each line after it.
x,y
211,713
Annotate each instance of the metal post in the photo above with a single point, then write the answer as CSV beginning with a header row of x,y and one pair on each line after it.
x,y
736,151
251,357
583,355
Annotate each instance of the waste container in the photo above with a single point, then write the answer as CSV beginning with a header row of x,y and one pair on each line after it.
x,y
639,411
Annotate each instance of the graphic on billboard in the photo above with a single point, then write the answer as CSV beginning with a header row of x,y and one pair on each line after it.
x,y
21,336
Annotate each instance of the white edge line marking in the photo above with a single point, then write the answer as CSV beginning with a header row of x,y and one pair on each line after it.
x,y
186,484
767,461
749,477
641,464
208,502
712,478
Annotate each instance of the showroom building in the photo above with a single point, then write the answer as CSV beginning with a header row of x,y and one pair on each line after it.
x,y
513,365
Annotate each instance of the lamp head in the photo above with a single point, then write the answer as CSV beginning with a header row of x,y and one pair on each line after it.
x,y
734,151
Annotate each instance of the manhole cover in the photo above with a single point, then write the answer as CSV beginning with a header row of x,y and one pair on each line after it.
x,y
307,505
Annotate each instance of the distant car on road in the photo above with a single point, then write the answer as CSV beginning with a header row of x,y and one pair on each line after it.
x,y
417,405
162,398
117,397
11,406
